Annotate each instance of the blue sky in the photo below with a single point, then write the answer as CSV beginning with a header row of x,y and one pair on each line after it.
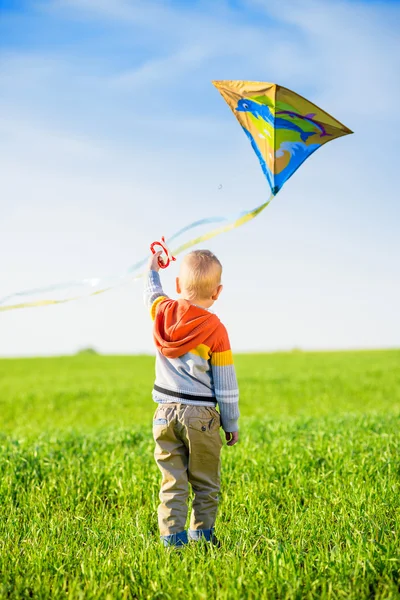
x,y
112,135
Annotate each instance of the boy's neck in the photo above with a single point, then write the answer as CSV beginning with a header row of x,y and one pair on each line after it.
x,y
206,304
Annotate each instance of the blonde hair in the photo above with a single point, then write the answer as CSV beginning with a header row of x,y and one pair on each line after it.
x,y
200,274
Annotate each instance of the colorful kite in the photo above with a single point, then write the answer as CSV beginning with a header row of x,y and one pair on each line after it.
x,y
284,129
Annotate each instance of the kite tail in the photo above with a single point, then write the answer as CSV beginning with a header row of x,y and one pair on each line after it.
x,y
241,220
133,273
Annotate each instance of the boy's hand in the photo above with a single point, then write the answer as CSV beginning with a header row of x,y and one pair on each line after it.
x,y
153,262
232,437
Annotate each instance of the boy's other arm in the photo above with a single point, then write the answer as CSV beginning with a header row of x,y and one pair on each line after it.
x,y
226,387
153,293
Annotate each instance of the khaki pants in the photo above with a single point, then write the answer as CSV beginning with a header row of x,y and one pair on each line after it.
x,y
188,446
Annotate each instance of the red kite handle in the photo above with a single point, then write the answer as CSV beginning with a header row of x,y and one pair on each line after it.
x,y
163,261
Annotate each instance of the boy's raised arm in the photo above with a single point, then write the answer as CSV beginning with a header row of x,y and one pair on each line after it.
x,y
153,293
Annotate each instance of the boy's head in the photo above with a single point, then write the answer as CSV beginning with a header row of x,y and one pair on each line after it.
x,y
199,279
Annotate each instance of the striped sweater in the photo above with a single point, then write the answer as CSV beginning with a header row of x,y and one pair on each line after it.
x,y
194,363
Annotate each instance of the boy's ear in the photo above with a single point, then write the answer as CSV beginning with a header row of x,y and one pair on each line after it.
x,y
178,286
217,293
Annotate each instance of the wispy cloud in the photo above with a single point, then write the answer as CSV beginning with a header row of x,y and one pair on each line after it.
x,y
191,35
345,51
163,69
353,51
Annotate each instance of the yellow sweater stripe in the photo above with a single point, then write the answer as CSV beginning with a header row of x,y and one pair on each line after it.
x,y
202,350
222,359
156,302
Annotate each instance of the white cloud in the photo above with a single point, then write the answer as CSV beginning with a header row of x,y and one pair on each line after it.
x,y
149,14
178,37
353,52
163,69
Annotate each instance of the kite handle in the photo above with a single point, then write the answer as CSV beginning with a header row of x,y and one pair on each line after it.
x,y
163,261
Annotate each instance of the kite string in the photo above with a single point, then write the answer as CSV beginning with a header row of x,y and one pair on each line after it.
x,y
237,221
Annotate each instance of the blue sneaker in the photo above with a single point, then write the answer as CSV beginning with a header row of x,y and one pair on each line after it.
x,y
175,540
207,535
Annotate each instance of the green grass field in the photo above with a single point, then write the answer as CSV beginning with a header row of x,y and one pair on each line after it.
x,y
310,503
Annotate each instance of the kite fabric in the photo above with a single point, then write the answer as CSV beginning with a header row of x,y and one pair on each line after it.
x,y
284,130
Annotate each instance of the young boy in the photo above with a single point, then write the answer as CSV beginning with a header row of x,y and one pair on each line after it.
x,y
194,373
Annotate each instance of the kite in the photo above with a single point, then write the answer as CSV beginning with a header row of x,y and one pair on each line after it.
x,y
284,129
